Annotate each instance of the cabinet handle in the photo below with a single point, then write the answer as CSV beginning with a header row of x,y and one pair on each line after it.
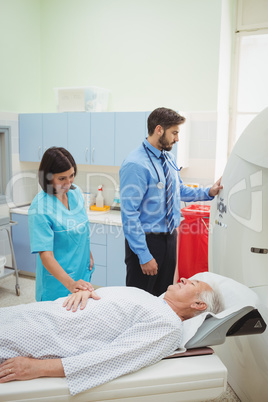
x,y
39,153
92,155
86,154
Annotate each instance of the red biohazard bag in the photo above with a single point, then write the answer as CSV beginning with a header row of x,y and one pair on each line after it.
x,y
193,240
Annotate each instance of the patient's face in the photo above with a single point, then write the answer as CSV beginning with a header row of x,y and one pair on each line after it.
x,y
187,290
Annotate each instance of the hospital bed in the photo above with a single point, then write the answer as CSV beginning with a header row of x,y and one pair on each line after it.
x,y
192,373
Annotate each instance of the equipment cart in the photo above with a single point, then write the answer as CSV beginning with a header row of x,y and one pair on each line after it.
x,y
10,270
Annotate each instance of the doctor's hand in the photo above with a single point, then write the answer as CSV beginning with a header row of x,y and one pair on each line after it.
x,y
72,302
150,268
215,189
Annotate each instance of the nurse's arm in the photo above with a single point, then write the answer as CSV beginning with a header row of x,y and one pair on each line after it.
x,y
54,268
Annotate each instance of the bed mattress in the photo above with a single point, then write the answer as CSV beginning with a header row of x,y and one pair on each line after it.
x,y
194,378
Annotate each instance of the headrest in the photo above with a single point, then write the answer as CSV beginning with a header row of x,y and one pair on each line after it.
x,y
235,296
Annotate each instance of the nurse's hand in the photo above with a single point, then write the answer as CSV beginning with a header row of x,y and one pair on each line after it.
x,y
150,268
72,302
80,285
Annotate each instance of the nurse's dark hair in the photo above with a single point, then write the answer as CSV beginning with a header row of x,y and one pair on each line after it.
x,y
55,160
165,118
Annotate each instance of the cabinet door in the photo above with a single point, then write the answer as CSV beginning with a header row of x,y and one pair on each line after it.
x,y
30,137
55,130
79,136
102,138
21,242
98,242
129,133
99,276
116,268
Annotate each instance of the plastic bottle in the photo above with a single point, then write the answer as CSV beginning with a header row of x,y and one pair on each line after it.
x,y
87,200
116,202
99,198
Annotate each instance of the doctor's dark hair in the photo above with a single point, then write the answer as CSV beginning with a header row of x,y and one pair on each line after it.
x,y
55,160
165,118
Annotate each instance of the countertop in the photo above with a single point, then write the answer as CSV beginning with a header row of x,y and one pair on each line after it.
x,y
107,218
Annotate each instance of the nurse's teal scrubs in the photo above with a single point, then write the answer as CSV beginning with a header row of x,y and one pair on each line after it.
x,y
65,232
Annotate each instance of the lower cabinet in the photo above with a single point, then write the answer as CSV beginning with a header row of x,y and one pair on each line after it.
x,y
107,244
21,242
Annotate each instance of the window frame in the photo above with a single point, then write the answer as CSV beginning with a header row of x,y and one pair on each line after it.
x,y
5,165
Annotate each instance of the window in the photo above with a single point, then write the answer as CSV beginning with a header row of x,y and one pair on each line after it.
x,y
250,78
5,161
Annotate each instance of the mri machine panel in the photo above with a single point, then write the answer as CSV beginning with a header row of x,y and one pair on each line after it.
x,y
238,248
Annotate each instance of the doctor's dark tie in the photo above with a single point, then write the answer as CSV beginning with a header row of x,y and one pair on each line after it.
x,y
169,194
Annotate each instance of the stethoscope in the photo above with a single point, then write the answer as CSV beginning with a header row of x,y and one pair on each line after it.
x,y
160,185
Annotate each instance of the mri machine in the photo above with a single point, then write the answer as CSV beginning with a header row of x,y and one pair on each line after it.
x,y
238,248
238,252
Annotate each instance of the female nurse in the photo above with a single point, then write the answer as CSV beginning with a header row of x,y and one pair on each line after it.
x,y
59,229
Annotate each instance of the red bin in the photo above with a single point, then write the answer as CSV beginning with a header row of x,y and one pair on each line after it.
x,y
193,240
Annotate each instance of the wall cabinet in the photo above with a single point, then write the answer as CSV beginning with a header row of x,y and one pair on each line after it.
x,y
104,138
130,131
79,136
21,242
31,137
91,138
38,132
55,130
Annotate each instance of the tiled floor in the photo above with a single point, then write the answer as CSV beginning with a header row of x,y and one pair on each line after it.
x,y
8,297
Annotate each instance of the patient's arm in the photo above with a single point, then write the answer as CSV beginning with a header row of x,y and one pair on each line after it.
x,y
26,368
72,301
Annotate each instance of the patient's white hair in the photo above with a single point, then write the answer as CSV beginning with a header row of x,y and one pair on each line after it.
x,y
213,299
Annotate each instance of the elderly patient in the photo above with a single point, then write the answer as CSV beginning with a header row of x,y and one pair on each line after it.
x,y
117,331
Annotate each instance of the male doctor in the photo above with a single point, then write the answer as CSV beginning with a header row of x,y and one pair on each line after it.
x,y
151,191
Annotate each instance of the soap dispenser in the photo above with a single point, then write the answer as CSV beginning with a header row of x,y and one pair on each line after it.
x,y
99,198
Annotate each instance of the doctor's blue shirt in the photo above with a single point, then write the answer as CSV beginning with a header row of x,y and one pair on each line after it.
x,y
143,204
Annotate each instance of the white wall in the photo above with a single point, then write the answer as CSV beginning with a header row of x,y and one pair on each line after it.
x,y
148,53
20,81
202,149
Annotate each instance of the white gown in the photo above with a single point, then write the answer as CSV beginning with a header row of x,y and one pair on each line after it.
x,y
125,330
